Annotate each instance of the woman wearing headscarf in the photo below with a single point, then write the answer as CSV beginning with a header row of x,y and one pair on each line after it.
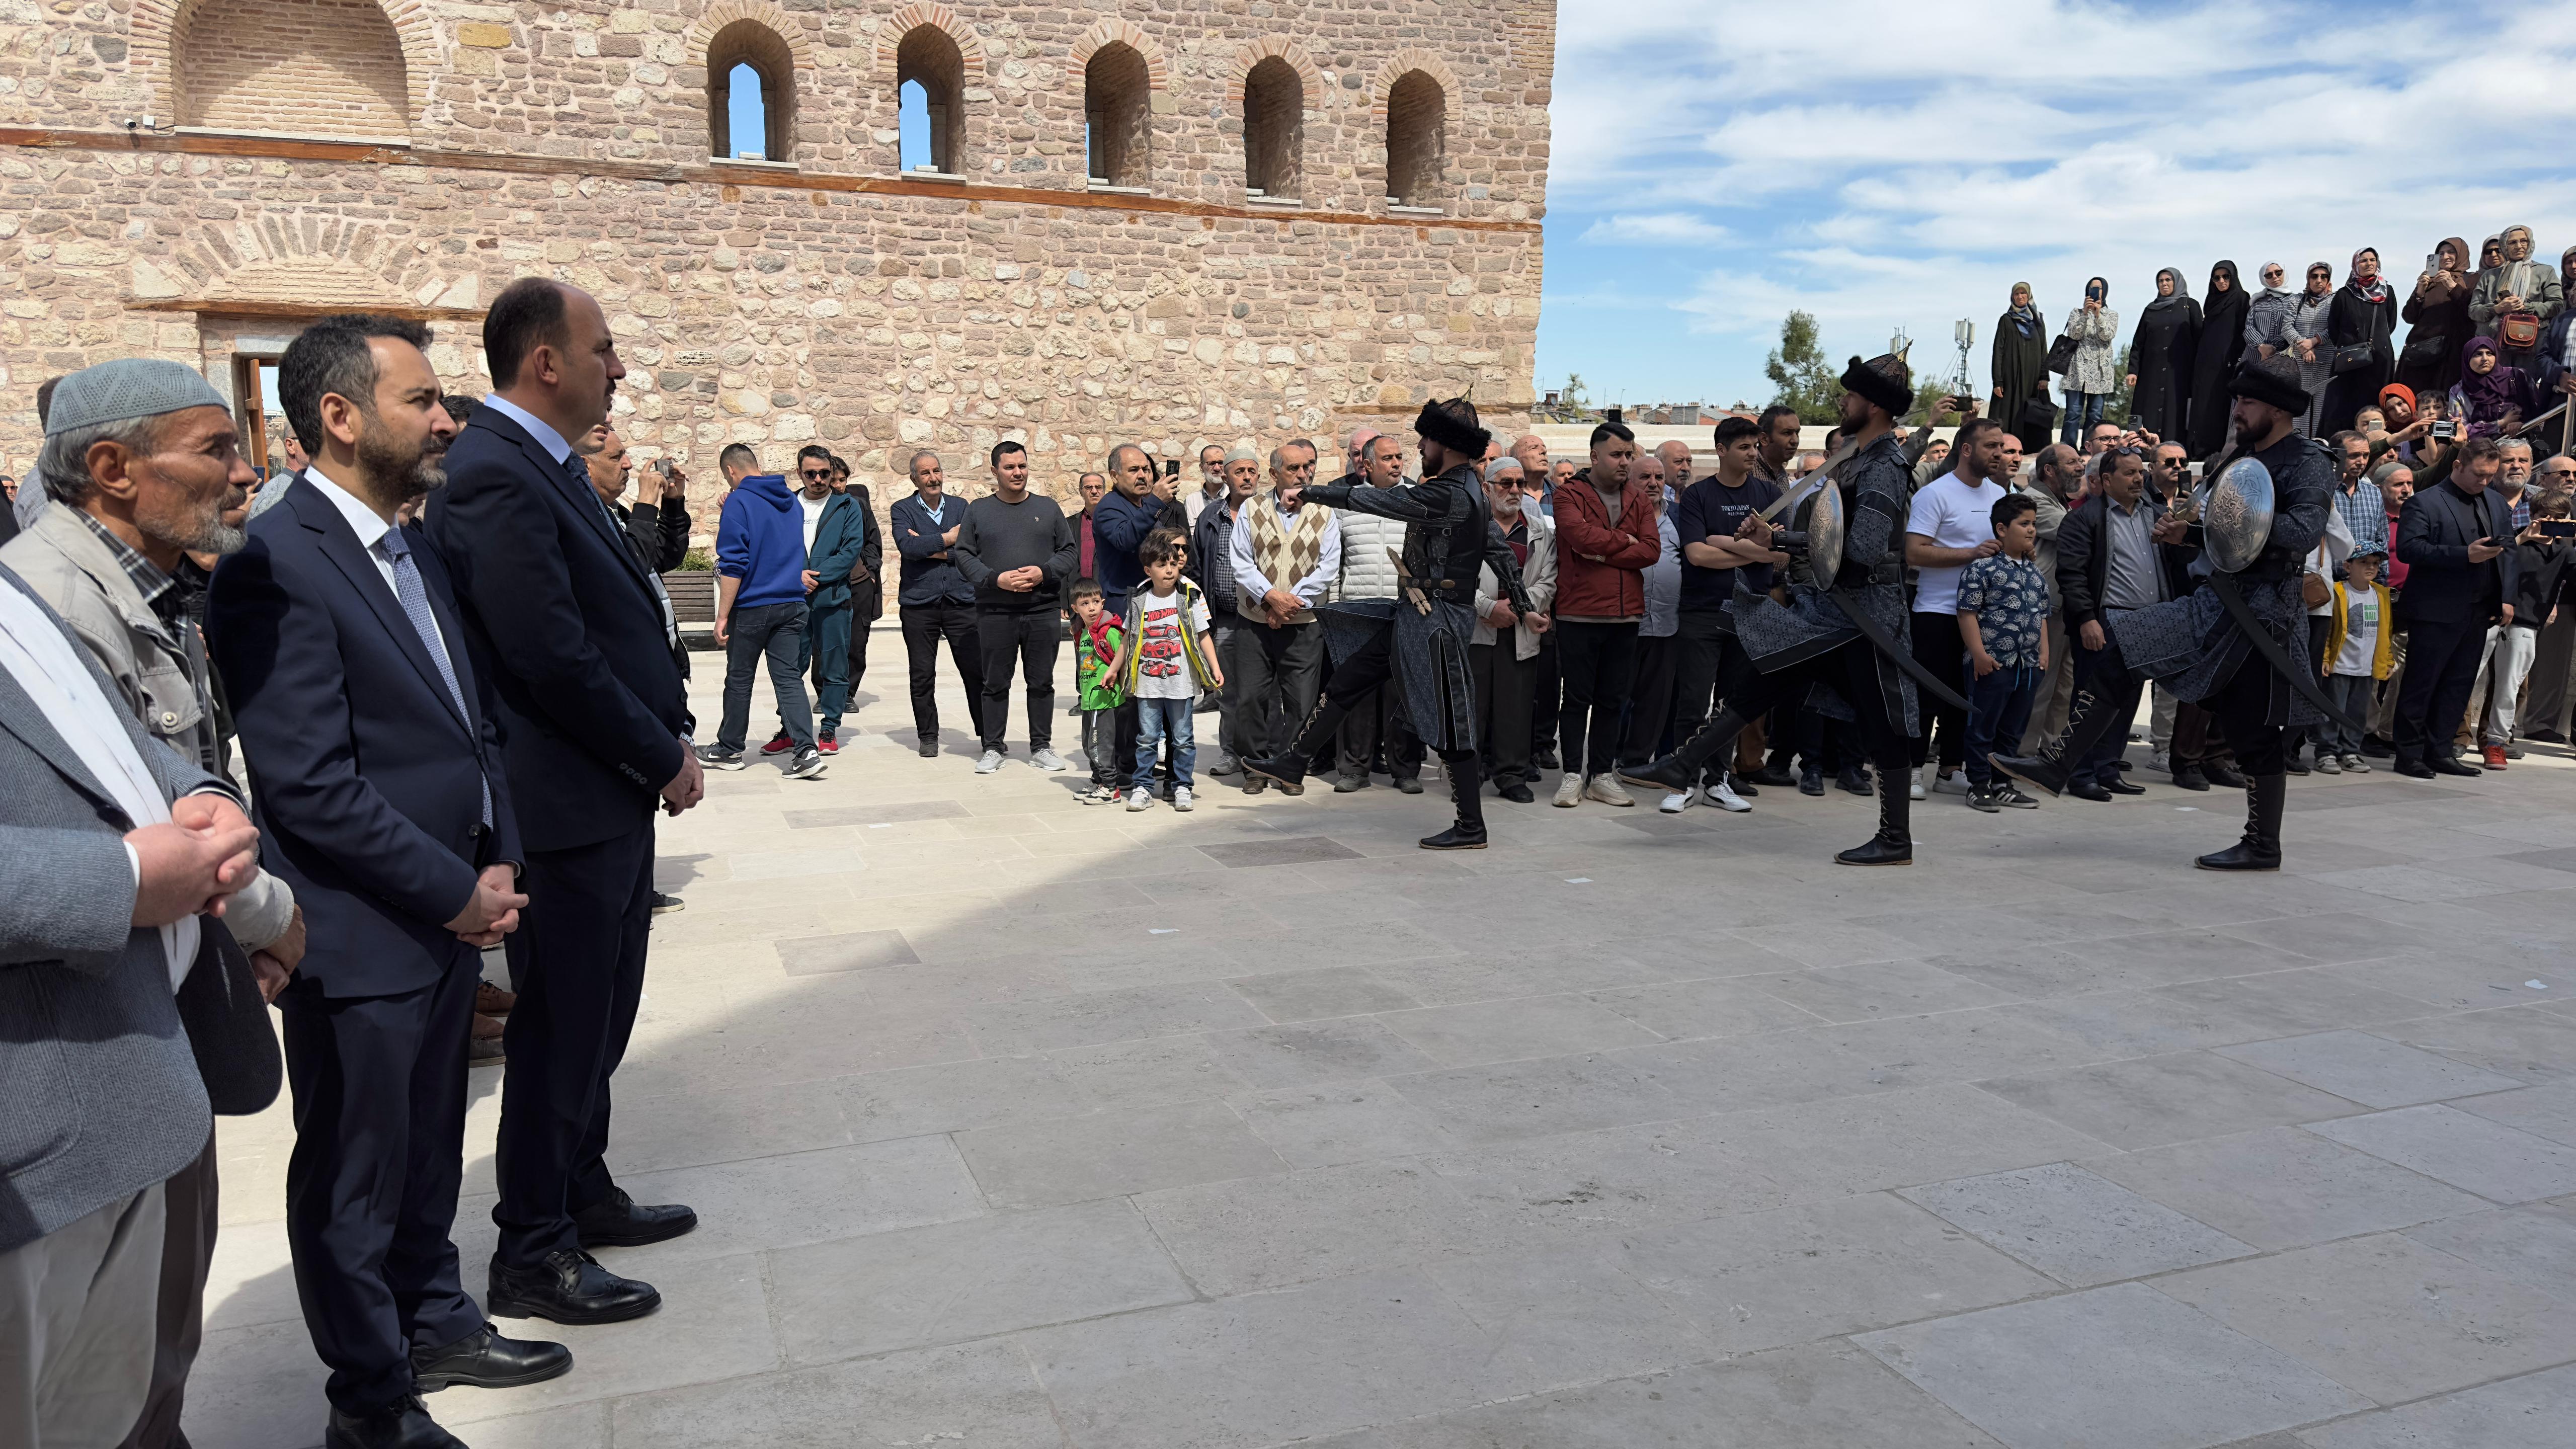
x,y
2493,396
2093,376
2516,300
2213,364
2305,331
2556,376
2357,350
2020,372
2438,311
2269,313
2160,359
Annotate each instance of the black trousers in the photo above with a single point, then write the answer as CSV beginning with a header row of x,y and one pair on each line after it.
x,y
588,914
1850,670
2242,707
2102,672
1504,688
924,625
1029,640
1361,674
2441,670
1709,663
1938,647
379,1084
1281,673
861,618
1650,700
1380,721
1599,663
1545,695
2320,627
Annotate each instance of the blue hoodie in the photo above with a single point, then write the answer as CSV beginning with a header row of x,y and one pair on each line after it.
x,y
760,539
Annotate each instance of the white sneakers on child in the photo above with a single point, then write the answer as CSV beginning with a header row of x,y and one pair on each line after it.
x,y
1181,798
1139,798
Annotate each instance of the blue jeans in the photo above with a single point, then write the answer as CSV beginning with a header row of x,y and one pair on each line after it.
x,y
1998,712
1156,718
777,632
2355,693
2083,410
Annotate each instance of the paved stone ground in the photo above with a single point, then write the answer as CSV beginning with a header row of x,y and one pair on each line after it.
x,y
1015,1123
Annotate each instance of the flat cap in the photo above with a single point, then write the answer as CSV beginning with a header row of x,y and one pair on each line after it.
x,y
128,388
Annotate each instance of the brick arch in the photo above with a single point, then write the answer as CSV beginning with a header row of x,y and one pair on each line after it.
x,y
1121,32
154,24
970,46
318,258
1411,58
764,13
1308,73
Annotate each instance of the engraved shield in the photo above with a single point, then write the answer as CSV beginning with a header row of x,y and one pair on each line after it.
x,y
2236,515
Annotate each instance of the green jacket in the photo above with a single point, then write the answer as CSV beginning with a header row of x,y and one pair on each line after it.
x,y
1091,668
1188,593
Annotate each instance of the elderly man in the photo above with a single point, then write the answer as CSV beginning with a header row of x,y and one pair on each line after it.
x,y
1285,558
933,599
142,460
1212,486
1503,657
1370,545
1675,455
1090,488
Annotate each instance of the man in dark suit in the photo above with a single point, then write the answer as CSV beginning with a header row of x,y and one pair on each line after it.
x,y
2456,540
376,769
566,627
2110,564
867,593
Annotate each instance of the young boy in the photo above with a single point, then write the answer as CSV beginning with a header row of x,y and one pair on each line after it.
x,y
1167,657
2359,653
2003,613
1096,638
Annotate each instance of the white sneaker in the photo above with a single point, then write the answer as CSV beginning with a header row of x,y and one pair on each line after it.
x,y
1048,760
1723,796
1139,798
2355,765
2328,764
1569,789
1607,790
1953,783
2160,762
991,761
1181,797
1914,789
1677,802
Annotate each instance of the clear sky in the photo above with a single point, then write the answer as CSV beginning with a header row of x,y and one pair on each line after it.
x,y
1891,165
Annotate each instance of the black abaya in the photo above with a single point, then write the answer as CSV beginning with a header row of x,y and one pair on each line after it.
x,y
2222,339
2351,321
2161,353
2020,371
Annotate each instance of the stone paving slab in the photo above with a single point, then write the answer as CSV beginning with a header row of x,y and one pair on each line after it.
x,y
1014,1123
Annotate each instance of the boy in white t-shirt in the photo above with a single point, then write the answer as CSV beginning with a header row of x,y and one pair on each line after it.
x,y
1166,658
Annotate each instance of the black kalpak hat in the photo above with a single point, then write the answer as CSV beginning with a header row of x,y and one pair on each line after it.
x,y
1884,380
2273,380
1452,425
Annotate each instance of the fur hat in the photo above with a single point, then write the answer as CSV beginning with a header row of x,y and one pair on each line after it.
x,y
1453,425
2273,380
1884,380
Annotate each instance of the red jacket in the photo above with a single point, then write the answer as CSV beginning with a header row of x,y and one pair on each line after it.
x,y
1615,587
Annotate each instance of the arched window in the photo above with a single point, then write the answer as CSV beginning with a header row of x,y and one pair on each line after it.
x,y
1417,147
1274,130
323,67
930,80
751,94
1116,92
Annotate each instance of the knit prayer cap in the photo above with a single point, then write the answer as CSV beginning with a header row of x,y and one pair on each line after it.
x,y
128,388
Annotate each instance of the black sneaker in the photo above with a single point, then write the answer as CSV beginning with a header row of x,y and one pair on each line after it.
x,y
930,749
806,764
664,903
2009,796
1985,798
719,757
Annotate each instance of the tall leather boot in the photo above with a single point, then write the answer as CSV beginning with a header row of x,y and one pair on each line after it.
x,y
1465,777
1894,842
2088,718
1287,768
1678,772
2261,847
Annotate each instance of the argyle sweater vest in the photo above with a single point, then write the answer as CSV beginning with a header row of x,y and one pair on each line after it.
x,y
1284,554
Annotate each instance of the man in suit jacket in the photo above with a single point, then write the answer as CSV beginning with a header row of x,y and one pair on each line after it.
x,y
657,532
377,770
867,591
567,629
113,846
2456,540
2109,563
838,530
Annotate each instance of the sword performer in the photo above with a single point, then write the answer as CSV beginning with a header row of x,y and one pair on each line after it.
x,y
2237,643
1833,630
1448,534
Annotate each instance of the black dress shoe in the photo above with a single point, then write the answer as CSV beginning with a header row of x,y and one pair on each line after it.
x,y
1741,786
484,1359
2373,747
1666,773
2225,776
1515,791
2189,777
2446,765
1772,774
2087,790
2546,736
2415,769
1545,759
404,1424
1456,837
1854,781
2294,765
568,1287
930,749
2119,785
620,1221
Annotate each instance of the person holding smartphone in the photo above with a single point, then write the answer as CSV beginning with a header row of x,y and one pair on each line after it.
x,y
2093,376
2463,578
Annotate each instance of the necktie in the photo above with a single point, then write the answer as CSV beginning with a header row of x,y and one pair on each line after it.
x,y
415,606
580,473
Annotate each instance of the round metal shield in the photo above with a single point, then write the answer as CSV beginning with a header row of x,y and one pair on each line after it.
x,y
2236,515
1822,517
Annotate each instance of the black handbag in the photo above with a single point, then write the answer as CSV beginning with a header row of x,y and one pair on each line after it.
x,y
2038,414
2061,353
2425,354
2355,357
228,1026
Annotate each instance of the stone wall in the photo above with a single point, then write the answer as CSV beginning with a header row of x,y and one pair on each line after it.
x,y
830,300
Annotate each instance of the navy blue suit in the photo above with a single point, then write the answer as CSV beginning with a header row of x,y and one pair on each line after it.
x,y
369,786
565,624
2448,605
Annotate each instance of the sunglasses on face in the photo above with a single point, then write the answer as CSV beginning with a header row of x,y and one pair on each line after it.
x,y
823,473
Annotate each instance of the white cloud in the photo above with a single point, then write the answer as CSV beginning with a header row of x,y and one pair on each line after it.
x,y
1880,171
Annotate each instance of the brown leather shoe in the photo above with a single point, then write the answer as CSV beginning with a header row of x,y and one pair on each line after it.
x,y
491,1000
